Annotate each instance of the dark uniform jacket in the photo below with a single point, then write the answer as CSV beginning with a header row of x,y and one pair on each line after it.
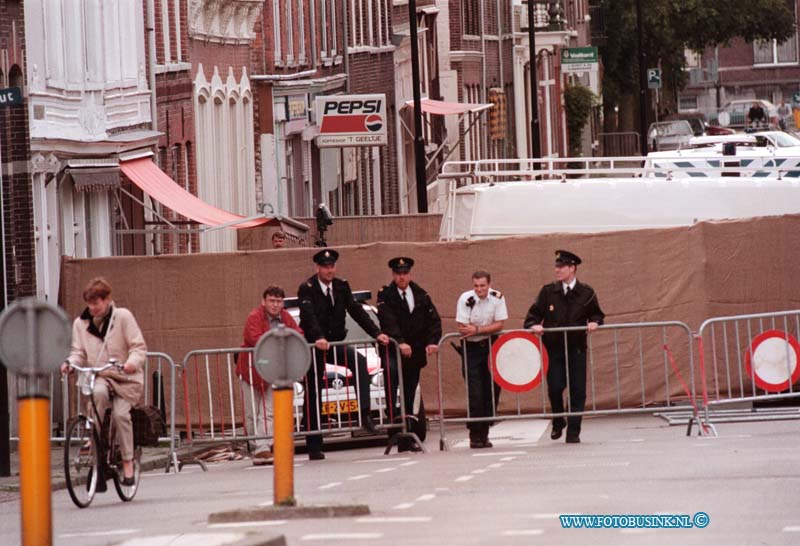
x,y
556,309
420,328
320,319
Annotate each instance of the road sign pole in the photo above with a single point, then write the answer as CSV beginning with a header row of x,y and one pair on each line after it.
x,y
34,469
282,357
34,341
283,474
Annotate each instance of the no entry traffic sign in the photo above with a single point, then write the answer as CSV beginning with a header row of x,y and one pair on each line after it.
x,y
519,361
772,360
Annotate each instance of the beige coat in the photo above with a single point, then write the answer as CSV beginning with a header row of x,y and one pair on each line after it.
x,y
123,341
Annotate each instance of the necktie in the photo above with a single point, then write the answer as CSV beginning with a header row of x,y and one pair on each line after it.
x,y
405,302
567,291
328,293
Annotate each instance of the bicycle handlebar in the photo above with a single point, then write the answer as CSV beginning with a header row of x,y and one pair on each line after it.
x,y
97,369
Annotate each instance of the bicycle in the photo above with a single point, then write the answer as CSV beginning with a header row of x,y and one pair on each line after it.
x,y
91,453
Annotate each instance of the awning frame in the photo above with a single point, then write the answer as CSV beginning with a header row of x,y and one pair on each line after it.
x,y
480,110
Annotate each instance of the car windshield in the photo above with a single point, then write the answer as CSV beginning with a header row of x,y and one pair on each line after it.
x,y
782,140
672,128
354,331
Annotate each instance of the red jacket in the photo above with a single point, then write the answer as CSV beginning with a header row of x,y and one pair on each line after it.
x,y
257,325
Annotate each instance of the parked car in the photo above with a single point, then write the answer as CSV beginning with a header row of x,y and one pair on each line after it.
x,y
339,400
736,114
699,124
668,135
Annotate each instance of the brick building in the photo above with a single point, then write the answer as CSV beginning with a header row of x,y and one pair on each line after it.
x,y
19,265
741,70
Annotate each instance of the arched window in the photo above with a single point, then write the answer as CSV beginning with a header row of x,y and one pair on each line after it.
x,y
15,77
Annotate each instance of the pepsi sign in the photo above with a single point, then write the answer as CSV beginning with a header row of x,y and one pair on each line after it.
x,y
351,120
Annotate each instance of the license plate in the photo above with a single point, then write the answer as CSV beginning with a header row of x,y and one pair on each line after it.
x,y
341,406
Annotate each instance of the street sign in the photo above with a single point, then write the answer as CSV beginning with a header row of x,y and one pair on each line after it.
x,y
282,356
771,360
10,96
654,78
351,120
35,337
519,361
579,59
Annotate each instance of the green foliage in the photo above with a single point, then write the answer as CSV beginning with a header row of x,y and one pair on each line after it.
x,y
670,26
578,102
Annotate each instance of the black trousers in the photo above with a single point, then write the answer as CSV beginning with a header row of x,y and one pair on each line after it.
x,y
480,387
557,382
391,384
315,382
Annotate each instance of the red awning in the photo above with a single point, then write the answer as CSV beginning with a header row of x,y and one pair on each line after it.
x,y
158,185
442,108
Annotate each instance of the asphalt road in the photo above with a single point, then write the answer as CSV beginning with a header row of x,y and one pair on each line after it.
x,y
746,480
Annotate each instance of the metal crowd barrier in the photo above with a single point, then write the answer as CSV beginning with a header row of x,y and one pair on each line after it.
x,y
215,399
729,375
153,395
641,355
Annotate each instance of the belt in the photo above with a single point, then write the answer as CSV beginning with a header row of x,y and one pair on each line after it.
x,y
480,343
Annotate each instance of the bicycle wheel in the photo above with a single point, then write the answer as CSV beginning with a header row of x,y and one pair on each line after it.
x,y
126,492
80,462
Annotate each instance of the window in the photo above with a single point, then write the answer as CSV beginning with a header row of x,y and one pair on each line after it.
x,y
328,25
225,154
369,23
687,104
276,30
471,17
771,52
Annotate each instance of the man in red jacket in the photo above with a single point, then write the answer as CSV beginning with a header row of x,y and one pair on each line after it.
x,y
258,393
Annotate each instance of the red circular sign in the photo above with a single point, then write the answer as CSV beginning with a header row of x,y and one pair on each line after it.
x,y
519,361
766,360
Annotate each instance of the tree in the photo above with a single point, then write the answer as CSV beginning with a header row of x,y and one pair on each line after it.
x,y
671,27
578,103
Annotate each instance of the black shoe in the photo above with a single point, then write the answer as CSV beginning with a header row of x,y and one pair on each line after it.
x,y
316,456
102,487
476,444
573,439
369,425
487,443
555,434
128,481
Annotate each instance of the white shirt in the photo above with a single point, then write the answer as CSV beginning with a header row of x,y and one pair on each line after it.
x,y
482,313
325,288
409,296
570,285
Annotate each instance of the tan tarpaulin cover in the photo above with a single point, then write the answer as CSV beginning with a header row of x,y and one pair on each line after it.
x,y
685,274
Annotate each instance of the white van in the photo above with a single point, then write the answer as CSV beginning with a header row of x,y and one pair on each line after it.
x,y
495,198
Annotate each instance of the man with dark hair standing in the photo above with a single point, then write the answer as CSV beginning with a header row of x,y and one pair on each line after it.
x,y
324,300
257,392
565,302
407,314
480,313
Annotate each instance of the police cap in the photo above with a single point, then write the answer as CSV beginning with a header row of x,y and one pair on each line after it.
x,y
326,257
401,264
565,257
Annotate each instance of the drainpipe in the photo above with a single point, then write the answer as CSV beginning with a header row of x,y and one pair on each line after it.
x,y
151,61
500,59
313,27
346,36
484,146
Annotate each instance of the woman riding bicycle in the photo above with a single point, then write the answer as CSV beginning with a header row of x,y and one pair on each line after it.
x,y
104,332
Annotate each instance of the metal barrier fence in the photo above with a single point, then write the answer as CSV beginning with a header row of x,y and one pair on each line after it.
x,y
71,400
631,368
745,360
620,144
219,407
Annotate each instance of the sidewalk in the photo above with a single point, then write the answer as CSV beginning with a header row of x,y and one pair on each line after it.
x,y
152,458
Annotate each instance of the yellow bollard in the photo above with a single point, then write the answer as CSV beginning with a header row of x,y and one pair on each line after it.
x,y
283,448
34,470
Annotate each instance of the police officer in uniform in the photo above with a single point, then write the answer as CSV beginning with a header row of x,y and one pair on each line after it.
x,y
324,300
406,314
480,312
565,302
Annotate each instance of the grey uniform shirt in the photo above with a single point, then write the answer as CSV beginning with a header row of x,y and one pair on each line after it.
x,y
482,312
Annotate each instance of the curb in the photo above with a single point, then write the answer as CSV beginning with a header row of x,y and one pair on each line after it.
x,y
289,512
